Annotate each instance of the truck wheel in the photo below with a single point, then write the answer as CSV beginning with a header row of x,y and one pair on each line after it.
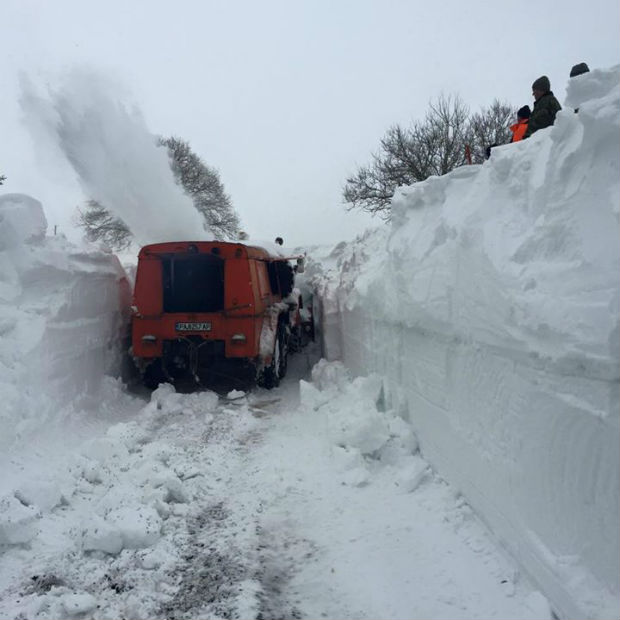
x,y
283,344
153,375
271,375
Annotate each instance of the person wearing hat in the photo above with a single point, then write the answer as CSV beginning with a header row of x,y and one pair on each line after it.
x,y
579,69
546,106
520,127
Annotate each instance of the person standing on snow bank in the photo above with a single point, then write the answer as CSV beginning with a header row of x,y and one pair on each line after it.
x,y
546,106
579,69
520,127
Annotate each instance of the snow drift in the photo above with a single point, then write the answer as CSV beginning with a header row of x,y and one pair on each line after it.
x,y
63,312
492,309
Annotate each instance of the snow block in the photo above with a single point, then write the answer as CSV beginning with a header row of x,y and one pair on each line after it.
x,y
42,494
105,449
100,535
350,466
411,474
139,526
93,473
310,397
21,221
362,428
76,604
327,374
18,523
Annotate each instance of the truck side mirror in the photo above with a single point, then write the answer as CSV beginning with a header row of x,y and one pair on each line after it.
x,y
300,265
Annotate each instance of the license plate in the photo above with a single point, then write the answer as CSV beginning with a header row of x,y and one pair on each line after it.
x,y
193,327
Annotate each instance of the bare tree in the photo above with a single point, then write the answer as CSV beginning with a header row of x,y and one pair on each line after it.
x,y
100,225
202,183
491,126
445,133
371,189
199,181
431,147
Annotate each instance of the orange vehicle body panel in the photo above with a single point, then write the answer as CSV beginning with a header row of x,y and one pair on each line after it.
x,y
247,295
148,289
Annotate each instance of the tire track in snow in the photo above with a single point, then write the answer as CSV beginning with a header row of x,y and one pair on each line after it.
x,y
208,578
234,566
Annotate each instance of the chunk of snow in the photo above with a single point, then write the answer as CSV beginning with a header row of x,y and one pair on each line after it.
x,y
350,465
43,494
101,535
402,434
358,426
411,475
93,473
139,526
76,604
235,394
18,523
105,449
154,558
158,451
175,491
311,398
167,400
129,433
21,221
327,374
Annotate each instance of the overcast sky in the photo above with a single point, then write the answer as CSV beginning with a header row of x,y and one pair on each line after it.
x,y
286,98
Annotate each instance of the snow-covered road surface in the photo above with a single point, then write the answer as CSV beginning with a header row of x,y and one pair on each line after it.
x,y
259,506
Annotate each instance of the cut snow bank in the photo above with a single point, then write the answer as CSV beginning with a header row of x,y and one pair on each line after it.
x,y
492,309
63,312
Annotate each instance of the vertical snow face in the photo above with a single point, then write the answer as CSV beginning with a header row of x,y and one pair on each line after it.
x,y
493,307
62,314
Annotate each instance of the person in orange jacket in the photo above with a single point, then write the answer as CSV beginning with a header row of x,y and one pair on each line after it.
x,y
520,127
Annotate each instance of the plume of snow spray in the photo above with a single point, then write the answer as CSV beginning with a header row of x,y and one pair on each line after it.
x,y
115,157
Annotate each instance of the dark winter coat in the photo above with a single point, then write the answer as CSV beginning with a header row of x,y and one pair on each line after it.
x,y
543,114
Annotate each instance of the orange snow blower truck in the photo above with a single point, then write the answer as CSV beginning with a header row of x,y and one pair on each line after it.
x,y
214,311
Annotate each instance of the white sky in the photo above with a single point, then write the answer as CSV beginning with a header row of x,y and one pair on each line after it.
x,y
286,98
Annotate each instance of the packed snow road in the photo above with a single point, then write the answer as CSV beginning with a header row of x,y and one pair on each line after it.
x,y
304,501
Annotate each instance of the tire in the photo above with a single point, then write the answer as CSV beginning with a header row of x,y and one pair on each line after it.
x,y
271,375
269,378
153,375
283,341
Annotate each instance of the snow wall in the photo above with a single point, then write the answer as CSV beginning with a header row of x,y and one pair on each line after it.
x,y
491,306
63,312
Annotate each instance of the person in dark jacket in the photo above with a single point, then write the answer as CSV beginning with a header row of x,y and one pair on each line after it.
x,y
520,127
546,106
